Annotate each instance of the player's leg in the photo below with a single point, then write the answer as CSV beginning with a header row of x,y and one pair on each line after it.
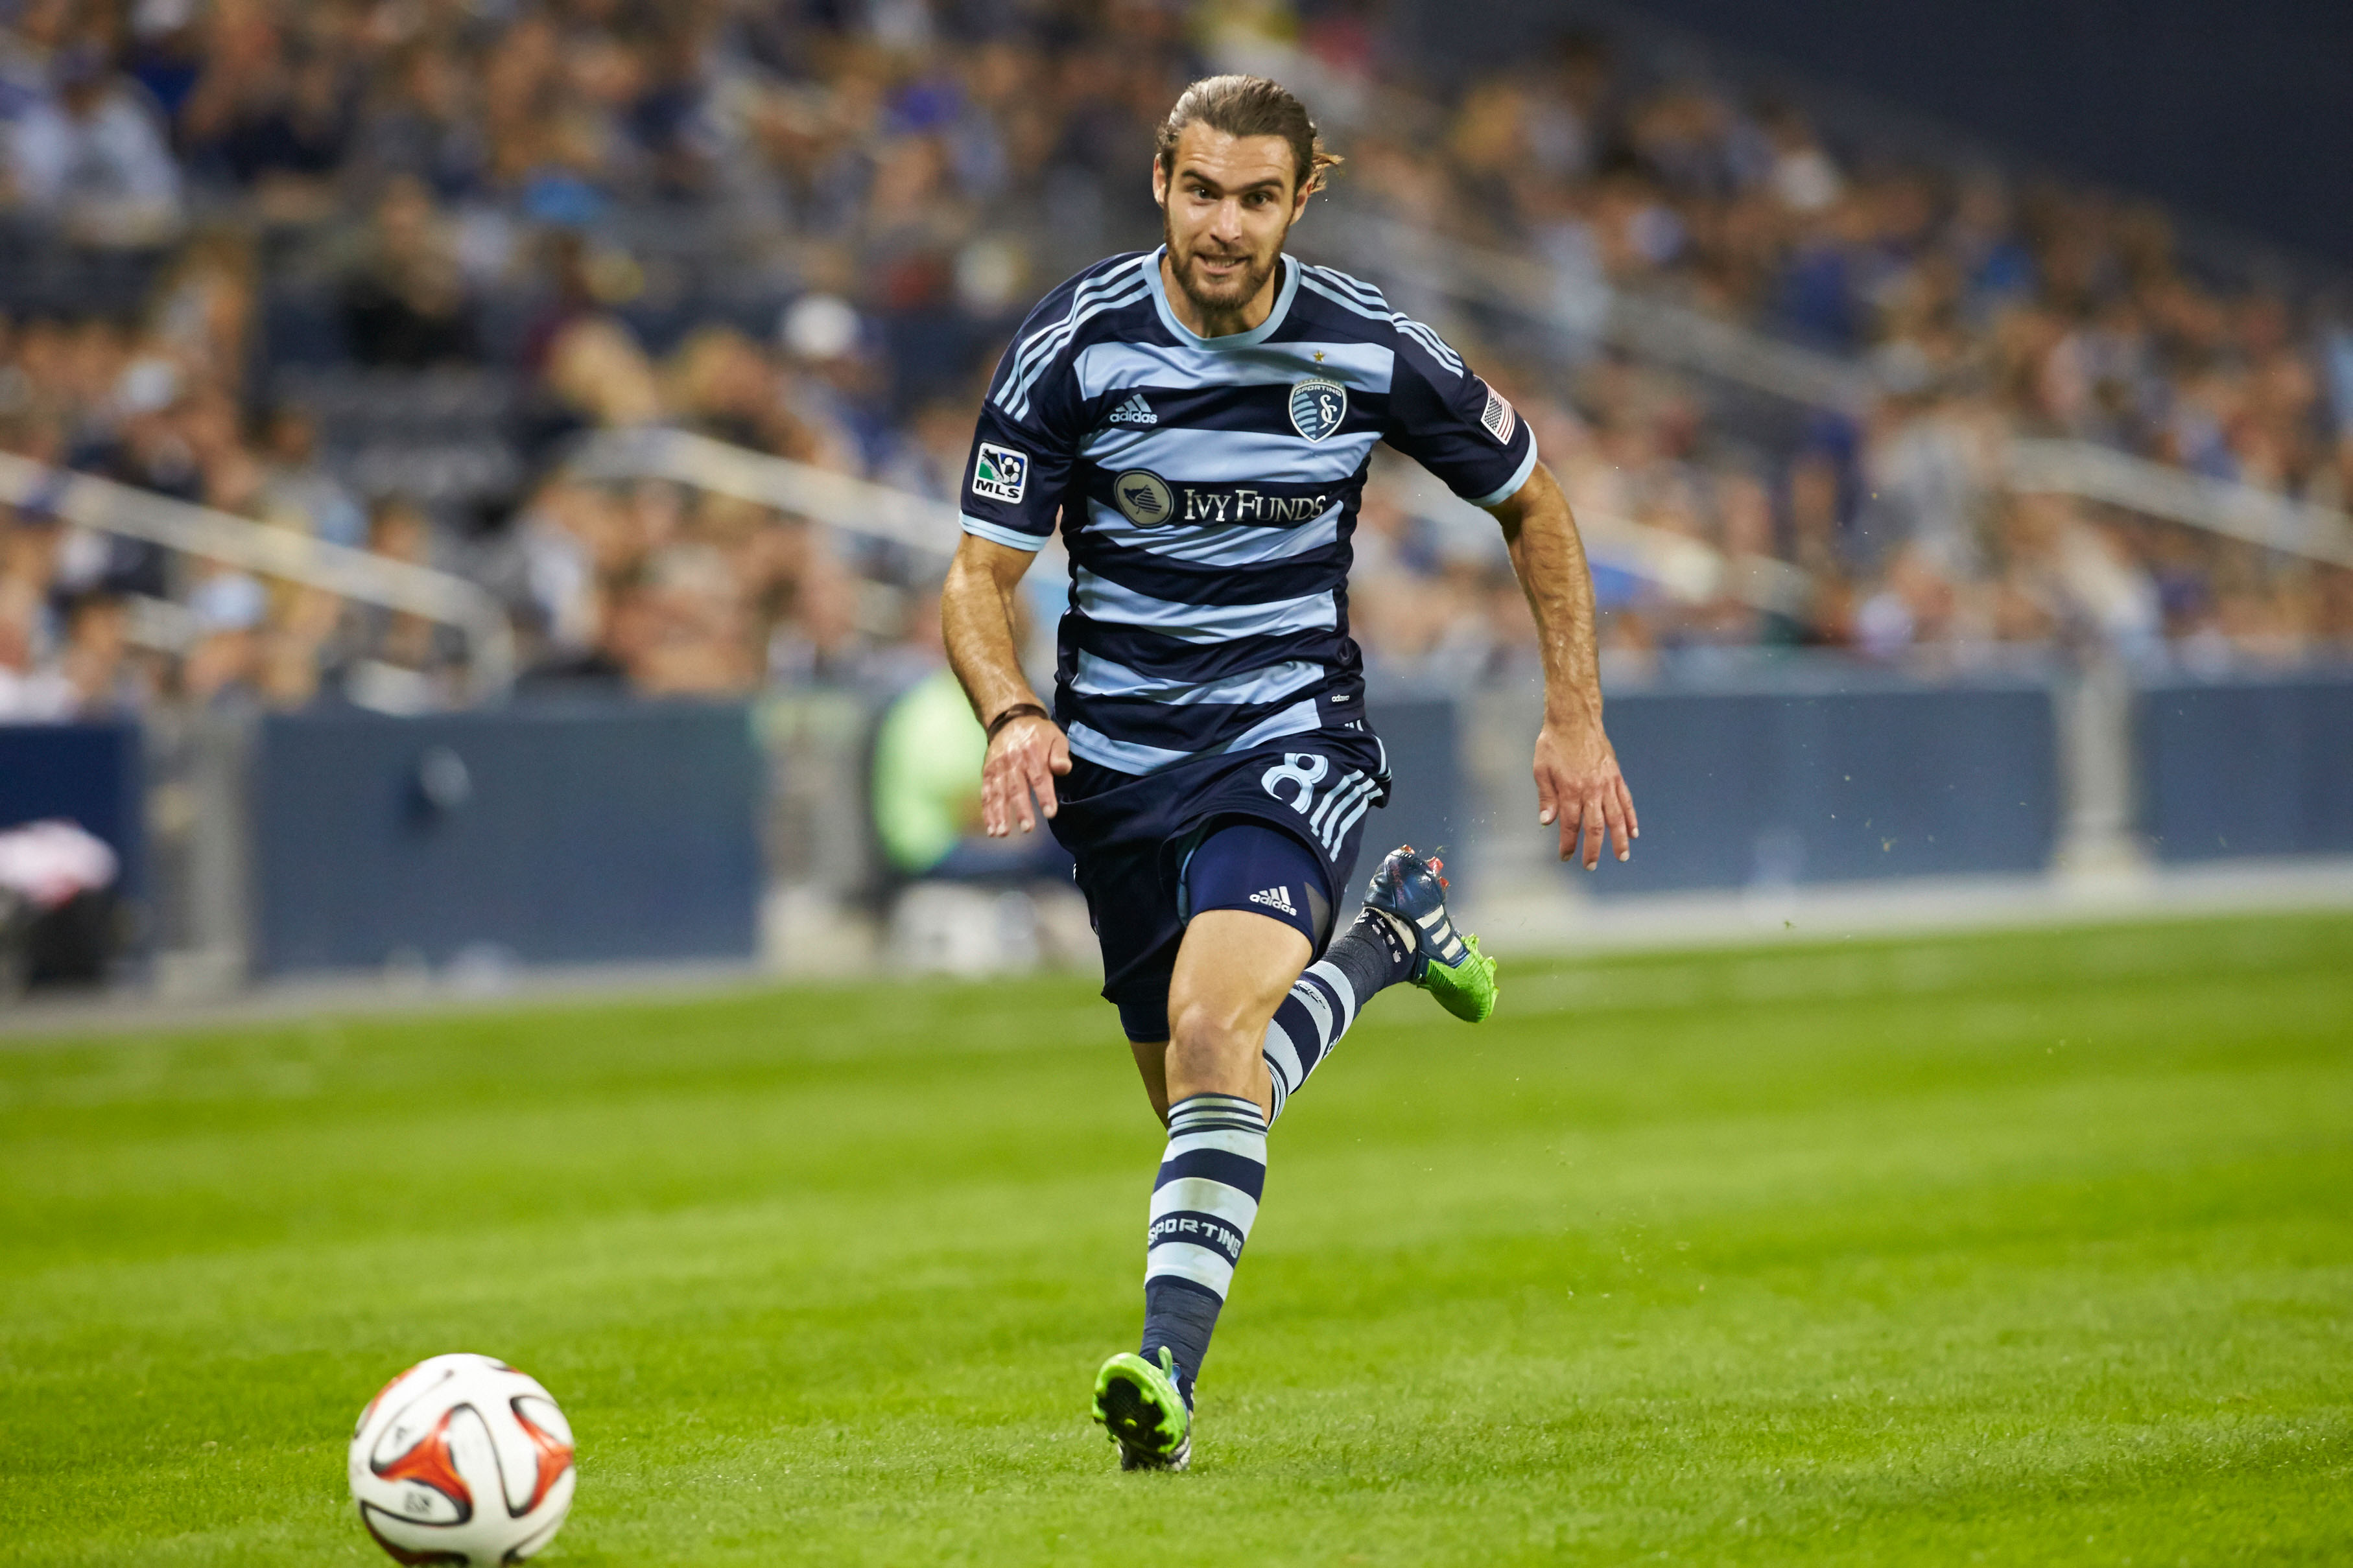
x,y
1231,969
1246,1028
1410,895
1143,1004
1402,935
1327,998
1152,1067
1256,901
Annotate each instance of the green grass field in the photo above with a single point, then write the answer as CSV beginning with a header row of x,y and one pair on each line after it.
x,y
2032,1247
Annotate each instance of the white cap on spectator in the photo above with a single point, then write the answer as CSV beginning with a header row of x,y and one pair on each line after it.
x,y
147,384
819,327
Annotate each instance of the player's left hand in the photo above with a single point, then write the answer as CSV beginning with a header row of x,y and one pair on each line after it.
x,y
1578,786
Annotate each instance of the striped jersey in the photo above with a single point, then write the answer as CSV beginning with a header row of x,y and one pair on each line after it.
x,y
1207,489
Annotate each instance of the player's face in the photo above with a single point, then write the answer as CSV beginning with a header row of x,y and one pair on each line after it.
x,y
1226,204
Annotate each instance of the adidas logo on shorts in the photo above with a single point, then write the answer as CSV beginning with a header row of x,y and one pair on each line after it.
x,y
1276,899
1134,410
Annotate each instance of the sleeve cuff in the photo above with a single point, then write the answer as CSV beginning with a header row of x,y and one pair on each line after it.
x,y
1497,496
1013,538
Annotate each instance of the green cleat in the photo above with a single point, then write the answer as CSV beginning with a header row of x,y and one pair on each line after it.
x,y
1449,967
1138,1404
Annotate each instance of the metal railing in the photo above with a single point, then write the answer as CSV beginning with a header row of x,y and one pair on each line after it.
x,y
2238,511
1676,335
107,507
838,500
1685,568
1590,308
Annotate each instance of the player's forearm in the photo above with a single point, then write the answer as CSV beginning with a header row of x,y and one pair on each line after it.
x,y
1549,559
977,623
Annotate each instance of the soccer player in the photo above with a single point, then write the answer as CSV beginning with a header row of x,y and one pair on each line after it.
x,y
1199,421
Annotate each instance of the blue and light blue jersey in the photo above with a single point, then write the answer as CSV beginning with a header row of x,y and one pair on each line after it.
x,y
1207,489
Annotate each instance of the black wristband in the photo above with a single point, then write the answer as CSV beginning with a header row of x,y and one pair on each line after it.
x,y
1018,710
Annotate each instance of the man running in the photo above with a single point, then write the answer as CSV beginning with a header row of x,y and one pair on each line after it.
x,y
1199,420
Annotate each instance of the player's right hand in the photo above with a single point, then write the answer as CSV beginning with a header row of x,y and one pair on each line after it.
x,y
1024,760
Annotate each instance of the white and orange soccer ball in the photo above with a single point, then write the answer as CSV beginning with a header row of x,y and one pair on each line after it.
x,y
462,1460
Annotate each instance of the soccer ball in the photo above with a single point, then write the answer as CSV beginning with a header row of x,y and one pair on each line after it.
x,y
462,1460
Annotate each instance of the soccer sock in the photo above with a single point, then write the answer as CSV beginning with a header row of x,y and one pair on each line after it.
x,y
1202,1205
1366,958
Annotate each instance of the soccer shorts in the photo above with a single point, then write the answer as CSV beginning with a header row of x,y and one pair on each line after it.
x,y
1133,836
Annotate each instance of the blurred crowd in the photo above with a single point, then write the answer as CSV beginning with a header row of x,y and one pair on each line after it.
x,y
1981,309
807,227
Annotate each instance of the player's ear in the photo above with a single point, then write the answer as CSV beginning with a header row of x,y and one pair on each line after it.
x,y
1159,182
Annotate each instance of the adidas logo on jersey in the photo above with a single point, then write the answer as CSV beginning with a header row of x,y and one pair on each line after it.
x,y
1276,899
1134,410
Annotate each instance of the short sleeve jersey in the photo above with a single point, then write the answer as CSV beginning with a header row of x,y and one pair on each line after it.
x,y
1208,488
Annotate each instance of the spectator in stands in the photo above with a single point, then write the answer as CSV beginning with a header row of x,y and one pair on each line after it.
x,y
569,551
297,490
599,376
405,298
390,659
924,781
675,630
109,678
297,650
271,113
420,121
204,319
31,689
721,383
91,155
221,662
2088,585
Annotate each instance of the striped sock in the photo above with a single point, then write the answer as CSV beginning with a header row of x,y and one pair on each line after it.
x,y
1202,1205
1363,960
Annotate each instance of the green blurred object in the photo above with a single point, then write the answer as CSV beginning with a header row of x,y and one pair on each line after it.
x,y
927,758
2030,1247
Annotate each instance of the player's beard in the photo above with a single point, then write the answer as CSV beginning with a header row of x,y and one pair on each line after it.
x,y
1211,295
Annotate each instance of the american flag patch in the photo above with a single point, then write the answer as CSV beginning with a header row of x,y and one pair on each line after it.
x,y
1499,419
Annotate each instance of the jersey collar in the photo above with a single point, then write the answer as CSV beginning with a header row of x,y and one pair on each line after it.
x,y
1251,339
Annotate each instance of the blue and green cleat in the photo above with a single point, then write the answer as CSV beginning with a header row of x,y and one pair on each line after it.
x,y
1140,1406
1448,965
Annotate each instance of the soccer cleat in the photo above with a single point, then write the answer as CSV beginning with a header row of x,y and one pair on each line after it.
x,y
1448,966
1139,1405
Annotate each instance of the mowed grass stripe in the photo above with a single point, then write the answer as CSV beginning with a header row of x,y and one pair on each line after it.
x,y
2032,1245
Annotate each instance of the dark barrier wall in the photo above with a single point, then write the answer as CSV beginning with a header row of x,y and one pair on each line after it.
x,y
1759,788
556,835
87,773
2247,767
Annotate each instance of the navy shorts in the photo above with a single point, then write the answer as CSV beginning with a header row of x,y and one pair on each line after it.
x,y
1133,834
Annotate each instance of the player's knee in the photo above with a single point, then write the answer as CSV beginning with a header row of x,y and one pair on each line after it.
x,y
1205,1025
1210,1032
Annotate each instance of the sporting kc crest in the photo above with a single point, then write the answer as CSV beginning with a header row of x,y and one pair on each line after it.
x,y
1317,407
1144,497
